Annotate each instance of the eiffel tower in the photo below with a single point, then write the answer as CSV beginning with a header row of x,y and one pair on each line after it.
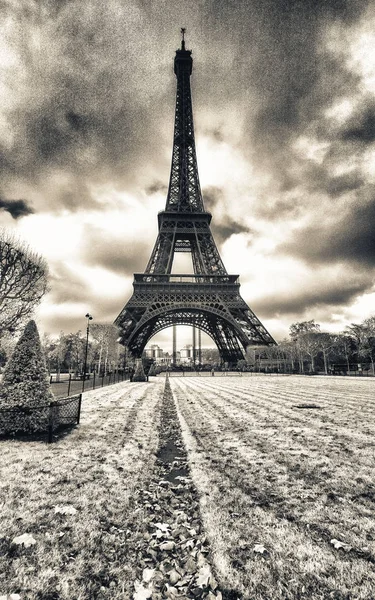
x,y
208,299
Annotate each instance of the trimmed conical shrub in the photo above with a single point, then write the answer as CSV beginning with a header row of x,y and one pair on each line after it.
x,y
25,383
152,370
139,374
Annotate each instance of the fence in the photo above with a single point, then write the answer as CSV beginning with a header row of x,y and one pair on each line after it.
x,y
220,374
360,374
41,419
69,384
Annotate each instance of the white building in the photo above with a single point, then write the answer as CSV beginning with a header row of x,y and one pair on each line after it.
x,y
186,354
158,355
154,352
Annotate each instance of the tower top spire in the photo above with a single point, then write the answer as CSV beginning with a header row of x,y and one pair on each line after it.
x,y
183,31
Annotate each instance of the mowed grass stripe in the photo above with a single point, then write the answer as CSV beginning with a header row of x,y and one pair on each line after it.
x,y
246,413
304,515
315,472
304,460
285,390
309,429
308,420
96,469
316,388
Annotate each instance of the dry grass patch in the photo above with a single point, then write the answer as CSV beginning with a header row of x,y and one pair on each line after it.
x,y
74,498
278,485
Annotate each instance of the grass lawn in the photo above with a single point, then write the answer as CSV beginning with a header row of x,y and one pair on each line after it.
x,y
94,473
287,492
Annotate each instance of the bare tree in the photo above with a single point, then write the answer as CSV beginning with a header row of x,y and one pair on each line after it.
x,y
326,343
106,336
289,350
303,334
23,282
368,341
346,346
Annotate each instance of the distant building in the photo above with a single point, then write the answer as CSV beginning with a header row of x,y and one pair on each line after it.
x,y
186,354
158,355
154,352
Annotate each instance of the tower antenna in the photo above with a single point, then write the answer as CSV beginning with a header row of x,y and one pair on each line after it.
x,y
183,30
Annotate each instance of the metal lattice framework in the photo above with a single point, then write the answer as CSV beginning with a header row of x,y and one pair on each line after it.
x,y
210,299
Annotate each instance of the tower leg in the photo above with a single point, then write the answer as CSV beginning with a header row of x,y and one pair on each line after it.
x,y
199,347
194,346
174,350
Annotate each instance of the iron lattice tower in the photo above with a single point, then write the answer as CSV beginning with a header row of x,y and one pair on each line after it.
x,y
208,299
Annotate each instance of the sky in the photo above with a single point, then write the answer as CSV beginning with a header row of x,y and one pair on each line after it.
x,y
284,113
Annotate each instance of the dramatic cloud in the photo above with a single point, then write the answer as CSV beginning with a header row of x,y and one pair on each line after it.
x,y
318,294
361,126
16,208
351,238
122,254
285,131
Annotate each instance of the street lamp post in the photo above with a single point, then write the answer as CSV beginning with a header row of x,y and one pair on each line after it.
x,y
89,318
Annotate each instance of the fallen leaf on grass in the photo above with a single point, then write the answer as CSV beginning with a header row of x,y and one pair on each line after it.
x,y
141,592
148,575
167,546
174,576
26,540
259,548
203,576
337,544
191,565
65,510
163,527
171,591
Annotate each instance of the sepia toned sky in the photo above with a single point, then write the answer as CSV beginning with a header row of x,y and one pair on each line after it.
x,y
284,109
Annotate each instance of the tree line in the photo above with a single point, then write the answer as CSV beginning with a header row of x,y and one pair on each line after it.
x,y
67,352
310,349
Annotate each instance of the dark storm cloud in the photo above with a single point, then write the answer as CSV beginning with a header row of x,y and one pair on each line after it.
x,y
155,187
228,227
81,96
16,208
329,295
103,311
319,178
120,255
66,286
222,226
289,76
279,209
361,127
99,88
348,182
315,179
211,196
350,239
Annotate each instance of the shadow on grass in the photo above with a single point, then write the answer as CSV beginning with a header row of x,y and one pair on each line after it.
x,y
316,406
39,436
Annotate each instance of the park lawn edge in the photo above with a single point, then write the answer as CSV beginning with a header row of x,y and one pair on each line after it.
x,y
95,471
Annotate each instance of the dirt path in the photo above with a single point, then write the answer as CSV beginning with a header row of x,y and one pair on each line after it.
x,y
173,551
